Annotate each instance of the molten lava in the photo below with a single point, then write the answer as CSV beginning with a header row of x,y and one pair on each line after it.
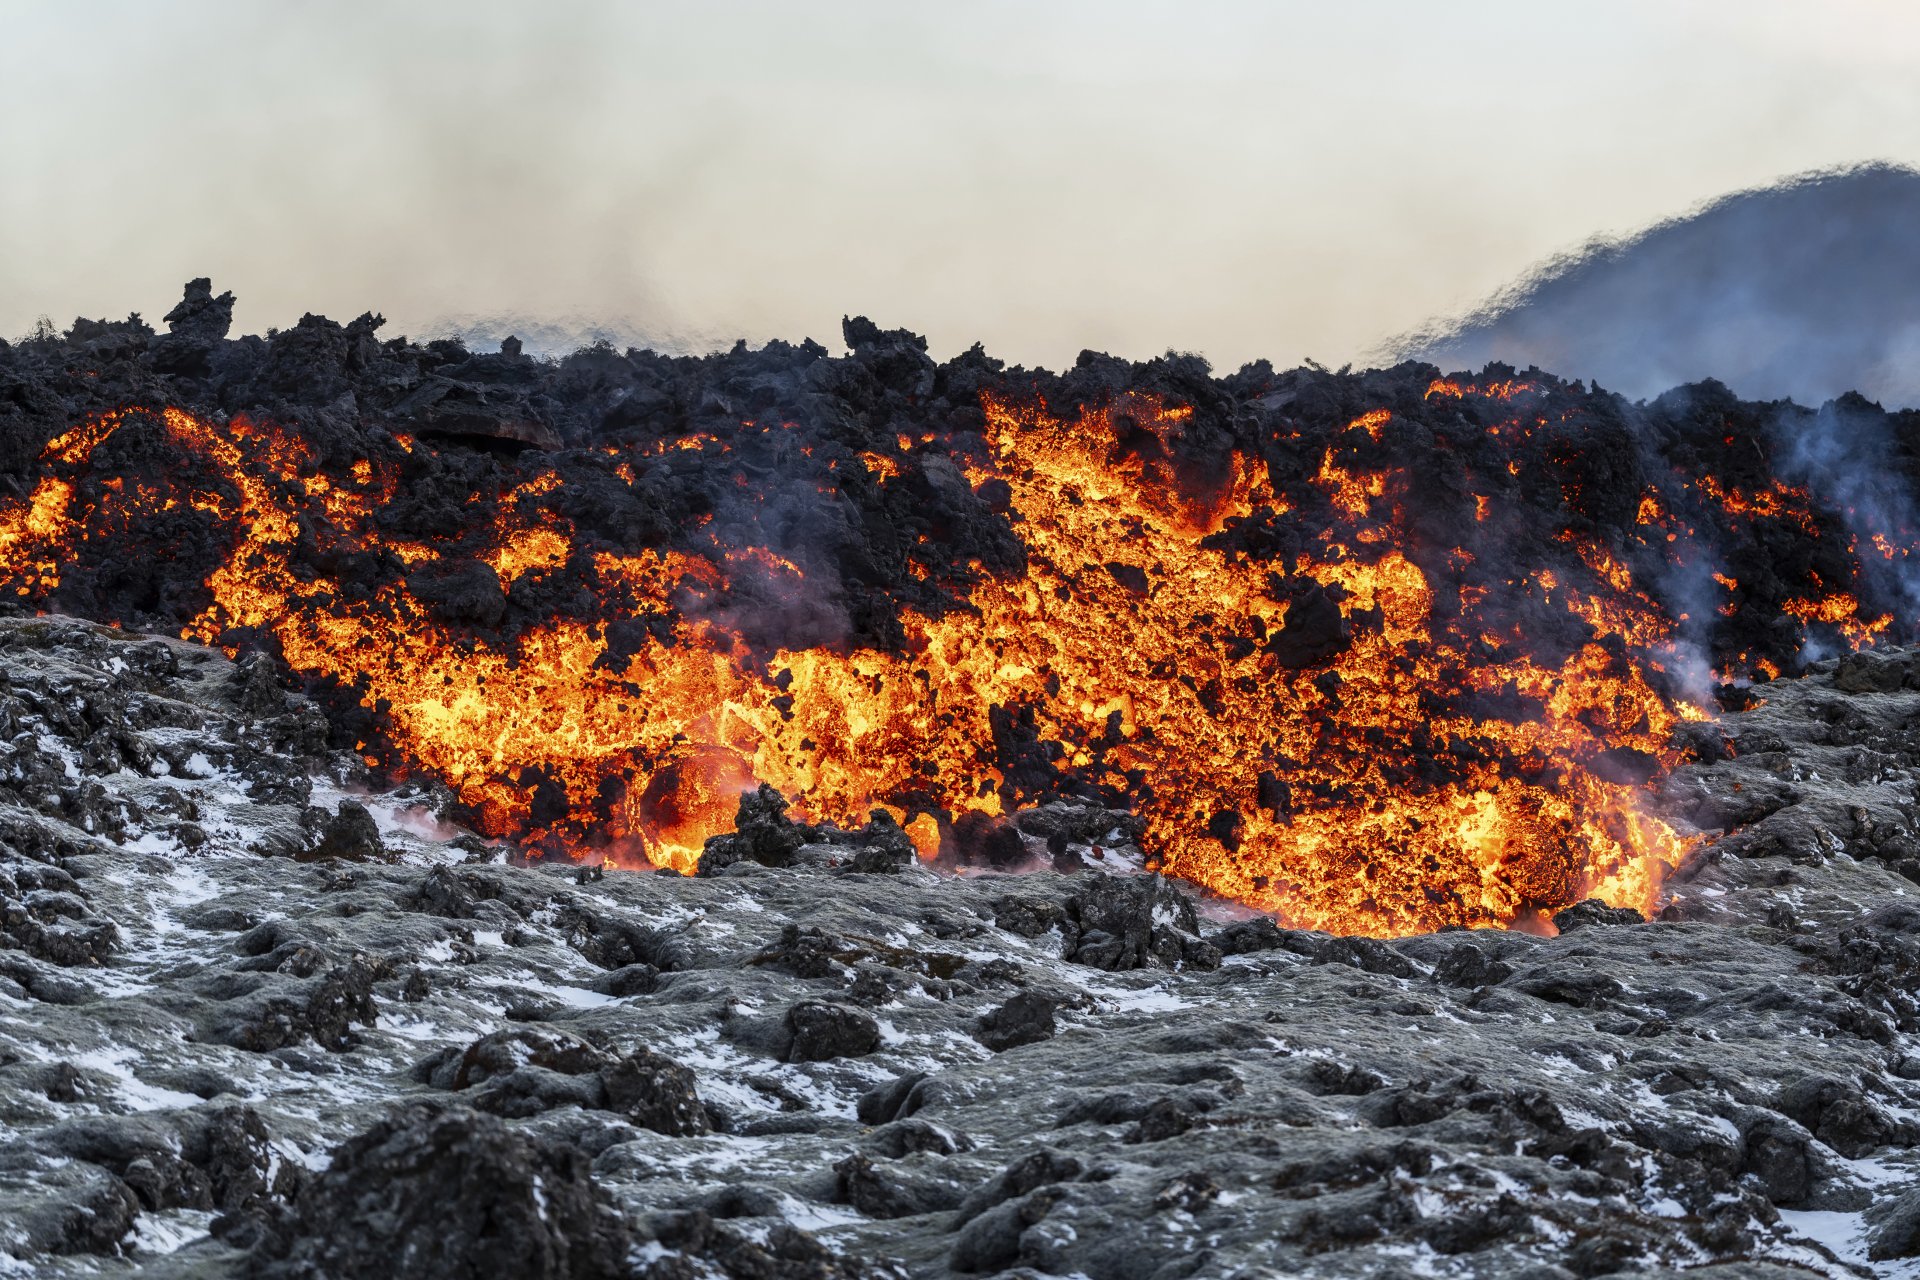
x,y
1355,731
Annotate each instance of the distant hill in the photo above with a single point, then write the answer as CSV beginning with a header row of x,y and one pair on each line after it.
x,y
1804,289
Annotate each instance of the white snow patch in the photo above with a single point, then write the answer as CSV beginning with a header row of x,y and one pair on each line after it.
x,y
575,997
411,1028
317,1161
809,1216
55,747
113,983
1421,1259
1584,1118
156,842
1147,1000
703,1052
157,1233
1842,1234
134,1091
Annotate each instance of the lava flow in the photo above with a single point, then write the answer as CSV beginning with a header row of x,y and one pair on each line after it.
x,y
1315,703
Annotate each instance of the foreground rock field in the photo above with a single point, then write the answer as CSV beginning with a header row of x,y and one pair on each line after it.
x,y
257,1020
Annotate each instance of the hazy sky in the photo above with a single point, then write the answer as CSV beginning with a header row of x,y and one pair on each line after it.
x,y
1235,178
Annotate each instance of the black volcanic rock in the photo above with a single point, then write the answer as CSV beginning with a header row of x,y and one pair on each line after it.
x,y
655,1092
440,1194
350,833
762,833
822,1031
1594,912
195,328
1119,923
1025,1019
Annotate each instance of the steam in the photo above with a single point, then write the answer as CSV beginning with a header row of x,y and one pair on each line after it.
x,y
1686,586
1846,457
1804,290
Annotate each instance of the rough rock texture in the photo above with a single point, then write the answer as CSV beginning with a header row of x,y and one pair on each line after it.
x,y
221,1056
450,1194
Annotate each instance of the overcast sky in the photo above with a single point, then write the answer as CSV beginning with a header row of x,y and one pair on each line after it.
x,y
1237,178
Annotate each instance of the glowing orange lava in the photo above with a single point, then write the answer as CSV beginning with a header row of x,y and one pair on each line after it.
x,y
1426,770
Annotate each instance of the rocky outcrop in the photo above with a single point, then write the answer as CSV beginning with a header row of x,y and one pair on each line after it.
x,y
426,1195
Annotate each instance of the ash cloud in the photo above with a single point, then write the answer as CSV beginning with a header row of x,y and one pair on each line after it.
x,y
1803,290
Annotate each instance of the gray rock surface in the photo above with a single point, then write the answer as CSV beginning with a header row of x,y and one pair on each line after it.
x,y
258,1020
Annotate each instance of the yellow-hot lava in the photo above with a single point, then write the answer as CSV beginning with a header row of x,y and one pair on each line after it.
x,y
1410,768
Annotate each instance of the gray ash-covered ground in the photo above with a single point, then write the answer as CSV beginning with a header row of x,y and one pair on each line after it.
x,y
258,1020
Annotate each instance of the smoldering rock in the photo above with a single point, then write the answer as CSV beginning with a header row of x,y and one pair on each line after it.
x,y
762,834
1314,631
196,327
1594,912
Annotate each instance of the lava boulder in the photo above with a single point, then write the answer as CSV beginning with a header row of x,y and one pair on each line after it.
x,y
762,833
823,1031
1025,1019
449,1194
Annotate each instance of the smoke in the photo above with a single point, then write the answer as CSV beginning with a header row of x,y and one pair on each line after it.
x,y
1847,457
1806,289
1686,586
551,338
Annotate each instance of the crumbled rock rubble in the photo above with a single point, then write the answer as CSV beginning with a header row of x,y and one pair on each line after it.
x,y
257,1020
